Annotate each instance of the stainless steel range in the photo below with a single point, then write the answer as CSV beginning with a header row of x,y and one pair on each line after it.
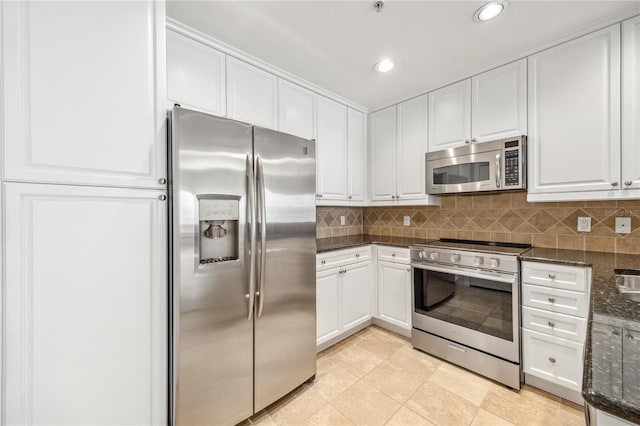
x,y
466,305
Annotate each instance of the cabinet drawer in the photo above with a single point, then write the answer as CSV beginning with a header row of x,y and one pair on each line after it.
x,y
558,325
393,254
555,276
551,358
334,259
551,299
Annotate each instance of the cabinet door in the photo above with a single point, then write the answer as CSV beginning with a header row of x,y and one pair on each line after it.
x,y
86,305
394,293
499,102
355,143
382,151
630,366
354,294
195,75
574,115
331,150
327,324
296,110
410,148
631,103
68,120
450,116
252,94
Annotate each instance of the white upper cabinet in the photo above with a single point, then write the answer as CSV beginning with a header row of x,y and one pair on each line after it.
x,y
382,152
499,102
331,150
411,143
356,155
450,116
296,110
86,306
574,115
631,103
195,75
252,94
95,121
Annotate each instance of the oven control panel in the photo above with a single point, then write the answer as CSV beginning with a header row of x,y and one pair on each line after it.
x,y
425,255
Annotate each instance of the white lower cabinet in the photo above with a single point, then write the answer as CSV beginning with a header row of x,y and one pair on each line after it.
x,y
554,324
343,294
85,305
394,289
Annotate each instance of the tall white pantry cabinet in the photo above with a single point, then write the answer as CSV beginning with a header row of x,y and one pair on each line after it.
x,y
84,213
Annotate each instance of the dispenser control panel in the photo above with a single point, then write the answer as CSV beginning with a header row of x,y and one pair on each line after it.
x,y
218,209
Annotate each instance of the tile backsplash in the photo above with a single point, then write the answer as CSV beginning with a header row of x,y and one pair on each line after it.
x,y
499,217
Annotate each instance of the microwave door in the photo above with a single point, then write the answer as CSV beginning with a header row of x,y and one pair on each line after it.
x,y
467,173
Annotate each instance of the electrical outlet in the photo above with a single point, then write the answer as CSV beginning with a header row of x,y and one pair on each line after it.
x,y
407,221
342,220
584,224
623,225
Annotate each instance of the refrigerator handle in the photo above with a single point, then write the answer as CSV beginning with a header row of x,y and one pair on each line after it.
x,y
263,234
251,195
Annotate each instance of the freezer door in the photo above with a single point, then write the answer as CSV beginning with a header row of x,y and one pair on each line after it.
x,y
285,323
212,334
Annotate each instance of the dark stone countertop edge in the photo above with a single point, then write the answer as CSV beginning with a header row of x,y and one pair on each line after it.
x,y
350,241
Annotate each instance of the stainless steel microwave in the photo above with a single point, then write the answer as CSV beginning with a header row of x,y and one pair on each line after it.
x,y
486,166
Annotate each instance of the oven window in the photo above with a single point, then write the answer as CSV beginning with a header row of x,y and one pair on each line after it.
x,y
461,173
479,304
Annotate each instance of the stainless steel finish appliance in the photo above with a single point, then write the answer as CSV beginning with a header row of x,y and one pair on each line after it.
x,y
243,253
487,166
466,305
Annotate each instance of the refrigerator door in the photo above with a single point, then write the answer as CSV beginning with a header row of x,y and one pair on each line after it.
x,y
212,332
285,316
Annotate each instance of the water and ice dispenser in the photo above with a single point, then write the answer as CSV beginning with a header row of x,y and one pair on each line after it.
x,y
218,228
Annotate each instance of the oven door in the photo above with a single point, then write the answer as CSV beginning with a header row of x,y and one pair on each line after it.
x,y
465,173
476,308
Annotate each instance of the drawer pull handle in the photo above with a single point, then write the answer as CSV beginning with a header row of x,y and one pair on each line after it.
x,y
357,254
552,276
629,336
552,300
323,261
551,324
552,360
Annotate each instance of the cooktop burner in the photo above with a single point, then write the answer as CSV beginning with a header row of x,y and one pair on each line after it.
x,y
479,246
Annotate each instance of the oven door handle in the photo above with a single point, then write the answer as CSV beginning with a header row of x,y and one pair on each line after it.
x,y
503,278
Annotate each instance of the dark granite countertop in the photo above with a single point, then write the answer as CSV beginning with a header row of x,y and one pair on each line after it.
x,y
610,383
348,241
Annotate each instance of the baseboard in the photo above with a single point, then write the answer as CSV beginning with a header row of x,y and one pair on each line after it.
x,y
328,343
553,388
392,327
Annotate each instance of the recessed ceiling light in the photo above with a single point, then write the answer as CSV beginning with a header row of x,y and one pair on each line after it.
x,y
385,65
490,10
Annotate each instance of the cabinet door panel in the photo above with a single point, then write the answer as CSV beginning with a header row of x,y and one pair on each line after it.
x,y
450,116
631,103
69,120
382,148
296,110
574,115
195,74
327,285
411,147
331,149
86,298
499,102
355,142
394,293
354,291
252,94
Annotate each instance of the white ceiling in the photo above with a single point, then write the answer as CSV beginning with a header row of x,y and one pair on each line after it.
x,y
335,44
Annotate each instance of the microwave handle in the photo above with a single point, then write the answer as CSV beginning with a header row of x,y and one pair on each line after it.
x,y
498,171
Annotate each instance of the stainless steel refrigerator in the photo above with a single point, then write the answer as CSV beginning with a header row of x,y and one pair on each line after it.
x,y
243,267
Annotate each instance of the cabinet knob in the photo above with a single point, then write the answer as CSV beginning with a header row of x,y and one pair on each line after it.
x,y
162,197
393,255
323,261
614,184
162,181
357,254
466,141
629,336
551,324
350,196
627,183
552,360
615,332
408,269
552,300
473,140
319,195
397,196
552,276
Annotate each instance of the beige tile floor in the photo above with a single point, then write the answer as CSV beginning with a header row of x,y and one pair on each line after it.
x,y
375,377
